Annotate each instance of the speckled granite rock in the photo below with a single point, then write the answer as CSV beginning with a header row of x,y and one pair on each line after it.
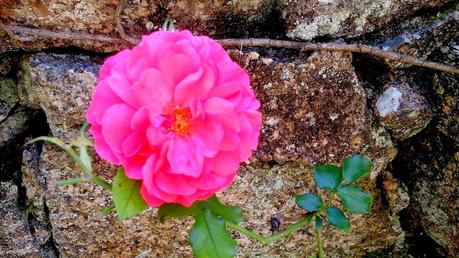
x,y
403,109
8,96
58,84
12,130
15,237
430,166
317,18
428,40
314,111
95,26
61,84
6,64
78,227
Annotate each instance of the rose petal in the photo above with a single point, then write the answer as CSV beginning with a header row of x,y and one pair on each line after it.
x,y
153,90
116,127
173,184
184,158
133,143
226,163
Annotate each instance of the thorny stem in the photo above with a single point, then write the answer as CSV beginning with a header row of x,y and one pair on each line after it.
x,y
290,229
271,238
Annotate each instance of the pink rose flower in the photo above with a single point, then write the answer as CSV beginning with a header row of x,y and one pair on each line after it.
x,y
177,113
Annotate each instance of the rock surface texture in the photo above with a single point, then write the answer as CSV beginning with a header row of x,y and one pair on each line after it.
x,y
318,18
78,226
317,107
403,109
15,237
92,25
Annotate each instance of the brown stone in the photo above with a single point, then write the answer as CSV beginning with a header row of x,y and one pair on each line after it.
x,y
315,111
338,123
15,237
91,25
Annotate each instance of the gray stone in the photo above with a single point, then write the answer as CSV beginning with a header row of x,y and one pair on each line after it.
x,y
15,237
8,96
13,126
318,18
59,84
6,64
403,109
429,167
425,39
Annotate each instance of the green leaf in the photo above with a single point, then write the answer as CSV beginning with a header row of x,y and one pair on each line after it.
x,y
232,214
173,210
336,218
354,199
355,167
209,238
126,196
327,176
309,202
319,223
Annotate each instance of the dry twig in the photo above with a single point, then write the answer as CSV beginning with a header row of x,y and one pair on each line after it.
x,y
20,33
356,48
119,26
304,46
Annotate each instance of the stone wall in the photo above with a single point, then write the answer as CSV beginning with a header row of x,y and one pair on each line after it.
x,y
317,107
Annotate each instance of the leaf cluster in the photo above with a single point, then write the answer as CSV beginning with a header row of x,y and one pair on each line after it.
x,y
339,181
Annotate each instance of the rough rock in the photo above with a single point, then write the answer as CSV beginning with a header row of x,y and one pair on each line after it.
x,y
8,96
78,227
59,84
262,192
314,111
92,25
403,109
15,237
428,40
446,99
430,166
6,64
324,18
15,125
12,130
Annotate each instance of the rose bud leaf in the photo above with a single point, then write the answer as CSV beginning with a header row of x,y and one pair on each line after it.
x,y
354,199
327,176
309,202
336,218
355,167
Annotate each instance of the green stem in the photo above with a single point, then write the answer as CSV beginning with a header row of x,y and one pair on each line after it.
x,y
272,238
95,179
72,181
99,181
320,246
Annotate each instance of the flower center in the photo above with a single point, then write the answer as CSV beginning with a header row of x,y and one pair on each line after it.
x,y
180,121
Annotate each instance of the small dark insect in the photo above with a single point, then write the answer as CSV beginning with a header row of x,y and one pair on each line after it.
x,y
275,222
